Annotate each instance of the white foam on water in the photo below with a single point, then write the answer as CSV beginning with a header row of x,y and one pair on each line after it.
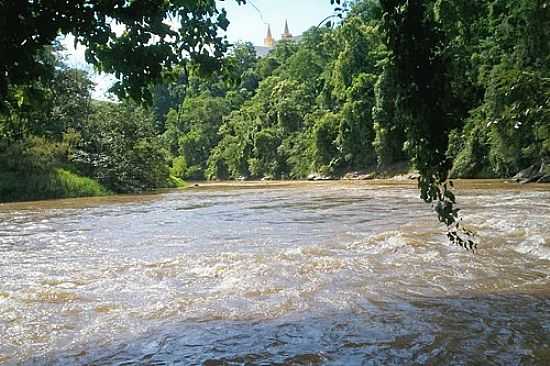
x,y
535,245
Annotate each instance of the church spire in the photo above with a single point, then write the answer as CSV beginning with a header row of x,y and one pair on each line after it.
x,y
286,34
268,40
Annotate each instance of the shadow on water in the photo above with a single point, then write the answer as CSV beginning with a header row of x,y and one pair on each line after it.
x,y
496,329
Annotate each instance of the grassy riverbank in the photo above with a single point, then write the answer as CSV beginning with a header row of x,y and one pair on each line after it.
x,y
59,183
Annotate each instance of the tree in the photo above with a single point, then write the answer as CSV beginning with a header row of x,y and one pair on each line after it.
x,y
239,65
417,48
192,131
137,56
508,129
119,147
390,136
352,79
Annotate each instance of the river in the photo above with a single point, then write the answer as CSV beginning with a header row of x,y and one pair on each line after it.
x,y
335,273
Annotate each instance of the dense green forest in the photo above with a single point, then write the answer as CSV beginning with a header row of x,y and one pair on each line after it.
x,y
445,87
333,102
55,141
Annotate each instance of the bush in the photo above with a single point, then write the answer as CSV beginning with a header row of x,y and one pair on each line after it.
x,y
34,155
59,183
471,154
175,182
179,167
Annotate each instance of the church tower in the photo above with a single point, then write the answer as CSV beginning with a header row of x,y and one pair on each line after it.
x,y
268,40
286,35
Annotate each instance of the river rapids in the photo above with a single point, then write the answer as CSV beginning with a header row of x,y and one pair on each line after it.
x,y
330,273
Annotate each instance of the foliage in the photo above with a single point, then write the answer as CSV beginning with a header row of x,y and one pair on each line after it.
x,y
26,27
390,136
120,149
325,134
417,47
255,141
192,132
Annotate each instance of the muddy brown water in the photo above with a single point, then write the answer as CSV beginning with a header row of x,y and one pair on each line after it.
x,y
335,273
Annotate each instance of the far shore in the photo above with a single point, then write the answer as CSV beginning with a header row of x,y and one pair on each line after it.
x,y
459,184
502,184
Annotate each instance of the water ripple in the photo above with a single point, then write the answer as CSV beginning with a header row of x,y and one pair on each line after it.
x,y
299,275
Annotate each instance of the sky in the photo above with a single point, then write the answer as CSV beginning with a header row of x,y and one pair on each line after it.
x,y
248,23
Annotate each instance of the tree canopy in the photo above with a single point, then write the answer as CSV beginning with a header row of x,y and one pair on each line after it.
x,y
153,36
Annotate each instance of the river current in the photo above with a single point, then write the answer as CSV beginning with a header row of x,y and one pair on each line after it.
x,y
334,273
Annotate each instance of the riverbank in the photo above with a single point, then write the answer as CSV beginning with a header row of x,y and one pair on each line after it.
x,y
460,184
57,184
207,186
63,184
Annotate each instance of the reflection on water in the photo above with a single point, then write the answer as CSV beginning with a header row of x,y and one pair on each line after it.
x,y
290,274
